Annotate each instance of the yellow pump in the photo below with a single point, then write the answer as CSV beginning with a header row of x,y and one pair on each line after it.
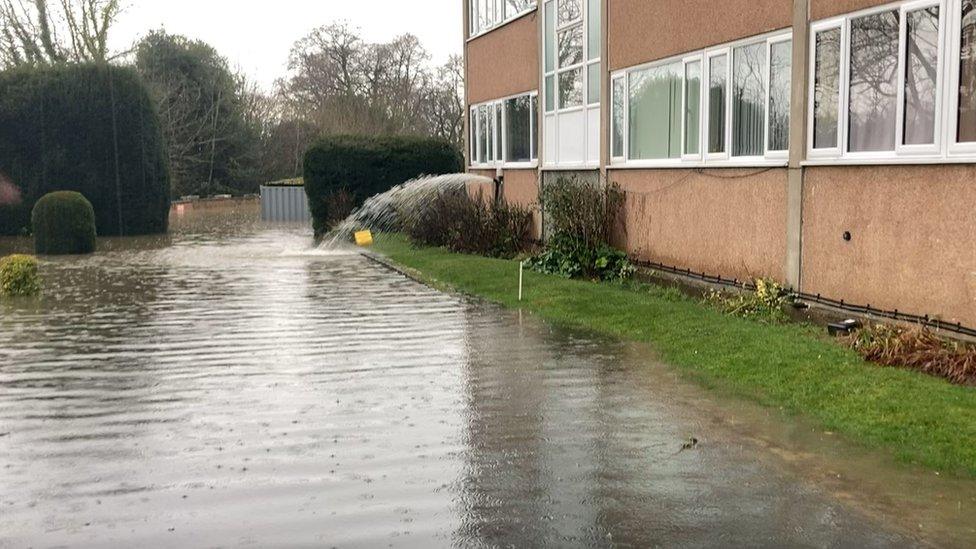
x,y
364,239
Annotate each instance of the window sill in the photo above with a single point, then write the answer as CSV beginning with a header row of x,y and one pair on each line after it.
x,y
506,166
503,23
903,161
698,165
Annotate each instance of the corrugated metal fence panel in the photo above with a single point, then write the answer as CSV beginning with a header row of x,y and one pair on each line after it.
x,y
284,205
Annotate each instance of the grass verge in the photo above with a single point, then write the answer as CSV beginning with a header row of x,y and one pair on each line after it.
x,y
920,419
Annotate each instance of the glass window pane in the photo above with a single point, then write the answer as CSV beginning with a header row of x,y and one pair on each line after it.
x,y
533,123
593,30
749,100
874,82
550,44
655,113
922,63
718,82
571,47
484,14
515,7
617,128
473,137
473,16
499,126
826,89
483,134
780,79
692,108
571,88
550,93
593,84
569,11
518,129
967,74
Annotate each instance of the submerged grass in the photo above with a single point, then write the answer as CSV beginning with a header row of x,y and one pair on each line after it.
x,y
920,419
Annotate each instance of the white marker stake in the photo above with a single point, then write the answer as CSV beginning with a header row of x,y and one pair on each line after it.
x,y
521,270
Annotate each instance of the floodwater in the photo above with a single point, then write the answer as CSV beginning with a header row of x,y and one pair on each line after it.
x,y
227,386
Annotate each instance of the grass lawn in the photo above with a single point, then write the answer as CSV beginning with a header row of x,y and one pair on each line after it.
x,y
921,419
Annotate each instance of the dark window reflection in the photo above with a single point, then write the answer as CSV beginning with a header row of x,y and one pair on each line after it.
x,y
874,82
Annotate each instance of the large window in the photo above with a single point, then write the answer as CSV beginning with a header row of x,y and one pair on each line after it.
x,y
572,82
895,83
503,133
488,14
726,105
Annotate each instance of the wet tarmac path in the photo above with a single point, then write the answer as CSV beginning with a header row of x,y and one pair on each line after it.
x,y
230,387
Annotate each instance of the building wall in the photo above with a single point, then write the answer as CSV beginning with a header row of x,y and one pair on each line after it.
x,y
724,222
505,61
522,188
912,245
642,31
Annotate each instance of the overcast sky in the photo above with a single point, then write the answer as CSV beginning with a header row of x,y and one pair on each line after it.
x,y
257,36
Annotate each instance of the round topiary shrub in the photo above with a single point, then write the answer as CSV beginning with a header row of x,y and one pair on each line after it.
x,y
64,224
18,276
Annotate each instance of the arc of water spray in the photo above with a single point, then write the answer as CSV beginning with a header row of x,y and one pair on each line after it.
x,y
390,211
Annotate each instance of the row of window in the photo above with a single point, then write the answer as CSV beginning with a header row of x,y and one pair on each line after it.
x,y
906,78
504,132
488,14
723,104
887,83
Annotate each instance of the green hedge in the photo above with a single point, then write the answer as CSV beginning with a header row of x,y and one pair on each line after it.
x,y
364,166
64,224
18,276
86,128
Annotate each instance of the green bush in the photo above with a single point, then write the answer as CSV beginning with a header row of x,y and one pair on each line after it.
x,y
365,166
580,219
64,224
86,128
766,303
18,276
466,224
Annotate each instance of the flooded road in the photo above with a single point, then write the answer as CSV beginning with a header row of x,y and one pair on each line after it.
x,y
227,386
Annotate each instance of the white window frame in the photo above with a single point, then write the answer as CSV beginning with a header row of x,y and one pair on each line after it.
x,y
557,114
954,149
685,157
499,160
500,16
705,158
944,148
623,120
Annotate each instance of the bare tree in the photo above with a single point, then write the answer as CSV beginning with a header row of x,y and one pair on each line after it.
x,y
44,32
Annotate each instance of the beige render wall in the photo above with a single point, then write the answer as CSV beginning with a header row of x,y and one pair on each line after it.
x,y
730,222
505,61
912,247
647,30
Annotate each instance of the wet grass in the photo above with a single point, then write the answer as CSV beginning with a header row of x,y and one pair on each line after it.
x,y
920,419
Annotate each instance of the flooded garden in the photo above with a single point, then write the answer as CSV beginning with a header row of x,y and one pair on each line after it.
x,y
230,384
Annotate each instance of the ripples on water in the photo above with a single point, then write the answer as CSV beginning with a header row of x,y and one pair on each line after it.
x,y
227,386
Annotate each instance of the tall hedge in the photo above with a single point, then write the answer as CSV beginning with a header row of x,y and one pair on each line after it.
x,y
86,128
364,166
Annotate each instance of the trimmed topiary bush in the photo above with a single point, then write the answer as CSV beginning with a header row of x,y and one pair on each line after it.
x,y
364,166
64,224
18,276
86,128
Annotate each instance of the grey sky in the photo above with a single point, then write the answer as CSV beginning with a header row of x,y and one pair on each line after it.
x,y
257,36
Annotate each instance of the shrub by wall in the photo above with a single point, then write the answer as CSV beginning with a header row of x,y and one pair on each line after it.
x,y
472,225
85,128
63,224
18,276
363,166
